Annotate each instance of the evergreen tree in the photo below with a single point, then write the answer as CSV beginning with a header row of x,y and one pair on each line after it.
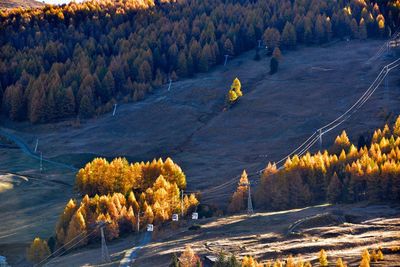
x,y
289,38
38,251
174,261
182,65
334,191
37,107
339,263
107,87
86,108
205,58
228,47
323,258
272,38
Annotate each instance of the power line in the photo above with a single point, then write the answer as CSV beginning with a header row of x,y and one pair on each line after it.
x,y
317,135
64,246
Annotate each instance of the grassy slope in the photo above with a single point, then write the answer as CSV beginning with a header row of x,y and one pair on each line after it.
x,y
19,3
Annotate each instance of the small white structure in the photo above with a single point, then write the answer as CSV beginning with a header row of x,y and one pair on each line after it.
x,y
150,228
175,217
195,216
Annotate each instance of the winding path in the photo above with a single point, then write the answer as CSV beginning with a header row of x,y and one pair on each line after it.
x,y
27,151
131,254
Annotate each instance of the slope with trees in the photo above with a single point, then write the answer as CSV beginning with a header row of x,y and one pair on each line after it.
x,y
79,59
345,173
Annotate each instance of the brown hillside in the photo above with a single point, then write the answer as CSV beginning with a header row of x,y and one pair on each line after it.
x,y
20,3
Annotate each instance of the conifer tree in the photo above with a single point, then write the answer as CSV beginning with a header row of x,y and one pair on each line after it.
x,y
289,38
37,251
238,201
334,191
290,261
272,38
86,108
188,258
339,263
76,227
174,261
380,255
228,47
323,258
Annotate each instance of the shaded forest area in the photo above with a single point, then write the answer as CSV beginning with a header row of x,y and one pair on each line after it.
x,y
344,173
79,59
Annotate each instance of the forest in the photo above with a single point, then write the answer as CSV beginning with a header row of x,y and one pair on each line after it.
x,y
345,173
77,60
126,196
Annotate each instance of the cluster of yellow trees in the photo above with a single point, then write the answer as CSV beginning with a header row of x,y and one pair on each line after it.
x,y
345,173
236,91
249,261
122,195
103,177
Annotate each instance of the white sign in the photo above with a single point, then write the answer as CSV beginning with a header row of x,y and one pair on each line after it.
x,y
150,228
195,216
175,217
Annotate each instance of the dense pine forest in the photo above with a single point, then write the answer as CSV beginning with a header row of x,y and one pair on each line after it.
x,y
368,171
79,59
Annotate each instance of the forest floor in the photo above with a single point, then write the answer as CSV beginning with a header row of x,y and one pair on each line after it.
x,y
277,113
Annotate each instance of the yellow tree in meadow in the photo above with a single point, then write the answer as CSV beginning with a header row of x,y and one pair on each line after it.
x,y
38,250
236,91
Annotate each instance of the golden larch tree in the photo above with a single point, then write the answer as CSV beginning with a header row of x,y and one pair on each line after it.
x,y
188,258
238,201
323,258
38,250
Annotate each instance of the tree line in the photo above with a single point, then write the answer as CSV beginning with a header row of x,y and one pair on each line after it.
x,y
344,173
79,59
189,258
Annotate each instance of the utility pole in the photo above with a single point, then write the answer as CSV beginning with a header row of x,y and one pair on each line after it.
x,y
115,109
170,83
226,59
259,43
138,221
37,143
104,250
41,161
250,210
182,204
